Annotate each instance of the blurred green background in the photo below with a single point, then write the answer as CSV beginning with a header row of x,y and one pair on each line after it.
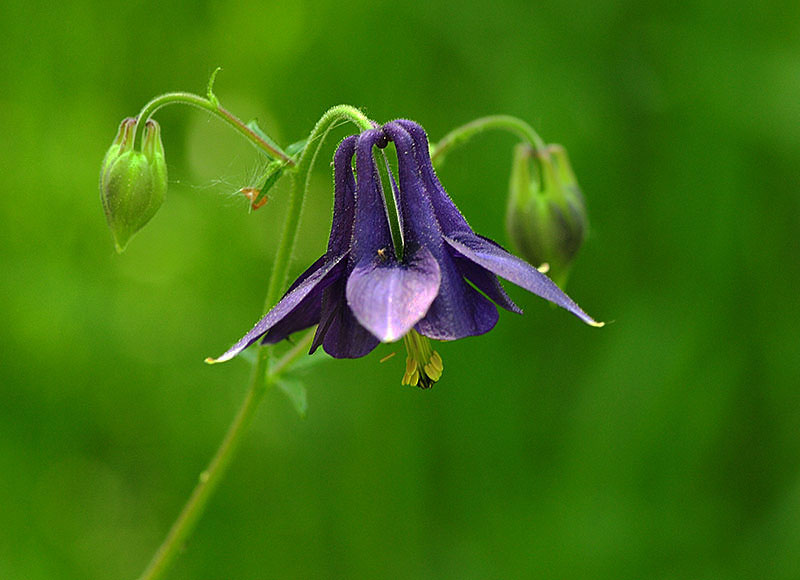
x,y
665,446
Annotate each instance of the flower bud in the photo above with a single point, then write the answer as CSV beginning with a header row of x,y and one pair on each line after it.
x,y
546,217
132,182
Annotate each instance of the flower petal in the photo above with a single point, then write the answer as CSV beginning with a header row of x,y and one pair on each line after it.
x,y
459,310
485,281
344,197
340,334
371,231
304,315
311,288
495,259
389,298
450,218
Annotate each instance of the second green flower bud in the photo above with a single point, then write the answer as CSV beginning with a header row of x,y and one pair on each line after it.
x,y
546,217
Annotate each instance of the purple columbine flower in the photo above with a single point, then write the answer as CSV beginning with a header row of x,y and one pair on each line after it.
x,y
361,292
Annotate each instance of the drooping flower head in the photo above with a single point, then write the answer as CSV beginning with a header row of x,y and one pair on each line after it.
x,y
363,291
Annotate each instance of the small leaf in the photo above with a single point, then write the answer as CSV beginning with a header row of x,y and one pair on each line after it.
x,y
297,147
253,126
296,391
271,176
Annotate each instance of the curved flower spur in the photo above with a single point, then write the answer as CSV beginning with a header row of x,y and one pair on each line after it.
x,y
361,292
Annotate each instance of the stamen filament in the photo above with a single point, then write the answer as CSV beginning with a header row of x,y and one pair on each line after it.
x,y
424,365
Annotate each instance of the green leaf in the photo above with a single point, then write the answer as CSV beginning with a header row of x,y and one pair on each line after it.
x,y
296,147
296,391
253,126
271,176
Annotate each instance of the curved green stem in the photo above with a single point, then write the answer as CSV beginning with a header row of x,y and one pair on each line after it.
x,y
215,109
323,127
462,134
280,269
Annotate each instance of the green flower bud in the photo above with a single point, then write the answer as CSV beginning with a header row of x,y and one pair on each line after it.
x,y
546,218
132,183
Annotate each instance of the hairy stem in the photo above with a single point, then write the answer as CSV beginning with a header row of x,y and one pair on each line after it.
x,y
298,193
215,109
461,135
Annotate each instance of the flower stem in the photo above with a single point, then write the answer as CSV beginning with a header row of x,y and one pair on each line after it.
x,y
297,194
210,478
462,134
286,361
263,375
215,109
261,381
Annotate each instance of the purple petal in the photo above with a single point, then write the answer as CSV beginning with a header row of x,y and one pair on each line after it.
x,y
311,288
339,333
450,219
307,312
421,228
459,310
389,298
492,257
346,338
344,197
486,282
371,231
304,315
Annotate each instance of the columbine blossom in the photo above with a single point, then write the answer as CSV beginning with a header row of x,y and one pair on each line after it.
x,y
361,292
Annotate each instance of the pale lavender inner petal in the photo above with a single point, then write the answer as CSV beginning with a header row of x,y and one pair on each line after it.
x,y
389,298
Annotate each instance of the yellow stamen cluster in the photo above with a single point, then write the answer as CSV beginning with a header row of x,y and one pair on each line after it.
x,y
424,365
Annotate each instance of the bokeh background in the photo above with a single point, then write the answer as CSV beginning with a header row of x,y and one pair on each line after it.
x,y
664,446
